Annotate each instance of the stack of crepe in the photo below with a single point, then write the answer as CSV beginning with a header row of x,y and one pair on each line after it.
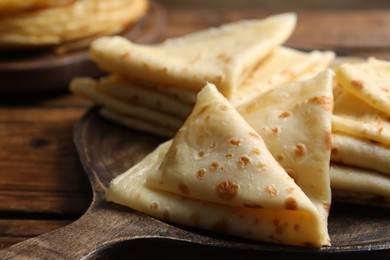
x,y
360,170
219,174
153,87
28,24
250,151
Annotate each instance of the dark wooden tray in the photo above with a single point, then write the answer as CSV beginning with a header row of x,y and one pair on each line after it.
x,y
38,71
108,230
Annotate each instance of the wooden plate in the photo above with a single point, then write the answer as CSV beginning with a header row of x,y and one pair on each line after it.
x,y
109,230
39,71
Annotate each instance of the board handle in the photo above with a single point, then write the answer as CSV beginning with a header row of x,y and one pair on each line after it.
x,y
101,226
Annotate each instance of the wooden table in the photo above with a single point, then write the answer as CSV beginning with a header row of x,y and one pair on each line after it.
x,y
42,184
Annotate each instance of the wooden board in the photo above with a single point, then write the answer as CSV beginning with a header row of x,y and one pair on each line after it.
x,y
107,229
24,72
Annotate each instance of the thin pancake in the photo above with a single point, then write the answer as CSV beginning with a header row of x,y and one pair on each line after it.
x,y
295,123
354,117
360,153
223,55
359,186
369,81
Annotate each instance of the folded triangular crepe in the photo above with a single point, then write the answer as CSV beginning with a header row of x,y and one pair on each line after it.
x,y
355,117
284,65
217,174
369,81
223,55
295,122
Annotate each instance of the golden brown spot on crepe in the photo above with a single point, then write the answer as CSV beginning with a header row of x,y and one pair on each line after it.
x,y
224,108
254,135
290,189
297,227
280,157
125,54
291,203
221,226
300,150
271,189
200,154
243,161
184,188
223,57
226,190
228,155
154,206
214,166
385,89
256,151
235,142
279,227
335,151
288,73
358,84
195,218
166,214
328,141
262,166
201,173
285,114
325,102
275,130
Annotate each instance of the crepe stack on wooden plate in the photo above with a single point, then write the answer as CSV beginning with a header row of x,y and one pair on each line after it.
x,y
153,87
238,106
360,170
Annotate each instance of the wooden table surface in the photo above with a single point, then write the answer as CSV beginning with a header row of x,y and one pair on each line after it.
x,y
42,184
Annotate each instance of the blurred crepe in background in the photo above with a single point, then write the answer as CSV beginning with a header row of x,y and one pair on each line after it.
x,y
49,39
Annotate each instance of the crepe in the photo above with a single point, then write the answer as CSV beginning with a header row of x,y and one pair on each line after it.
x,y
369,81
10,7
224,55
295,122
360,153
217,174
353,116
76,21
284,65
87,87
360,186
